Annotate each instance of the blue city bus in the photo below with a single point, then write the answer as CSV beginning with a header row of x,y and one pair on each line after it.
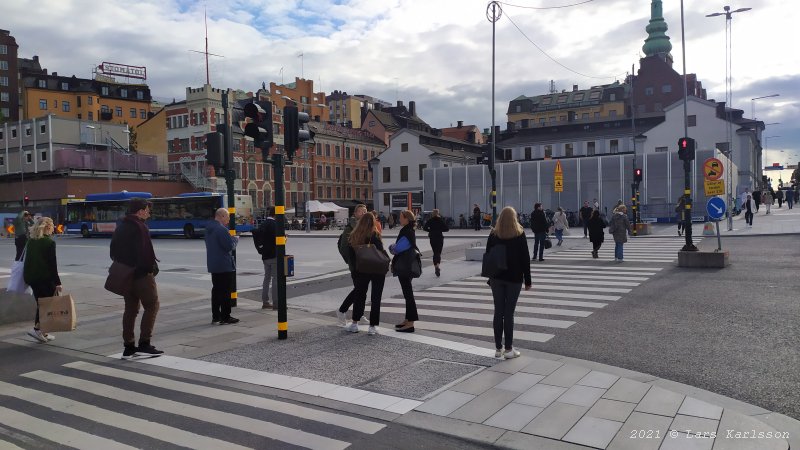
x,y
185,214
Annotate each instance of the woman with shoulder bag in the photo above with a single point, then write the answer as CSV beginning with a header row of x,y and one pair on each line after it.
x,y
406,242
365,234
435,226
41,269
507,284
560,224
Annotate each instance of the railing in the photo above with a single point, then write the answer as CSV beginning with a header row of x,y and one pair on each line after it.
x,y
98,160
198,180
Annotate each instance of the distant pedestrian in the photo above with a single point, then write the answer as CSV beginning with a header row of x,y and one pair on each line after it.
x,y
219,260
406,242
586,214
264,240
344,250
780,195
560,224
435,226
476,217
40,271
462,221
749,209
131,245
767,198
789,195
596,233
757,198
619,226
364,233
382,220
506,284
539,226
391,220
22,225
679,208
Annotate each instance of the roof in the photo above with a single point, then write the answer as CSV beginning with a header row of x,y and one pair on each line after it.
x,y
564,99
338,131
574,132
386,119
443,145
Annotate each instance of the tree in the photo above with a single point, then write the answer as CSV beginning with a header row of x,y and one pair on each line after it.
x,y
132,140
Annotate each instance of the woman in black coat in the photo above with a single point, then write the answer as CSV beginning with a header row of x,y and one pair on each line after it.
x,y
596,233
435,226
409,244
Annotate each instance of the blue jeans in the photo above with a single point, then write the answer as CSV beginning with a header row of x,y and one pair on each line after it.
x,y
618,250
559,235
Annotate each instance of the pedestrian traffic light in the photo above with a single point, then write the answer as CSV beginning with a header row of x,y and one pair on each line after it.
x,y
25,201
686,149
637,175
215,149
258,118
294,130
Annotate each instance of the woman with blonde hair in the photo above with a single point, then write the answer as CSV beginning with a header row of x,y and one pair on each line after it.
x,y
378,226
435,226
507,284
364,233
41,270
406,242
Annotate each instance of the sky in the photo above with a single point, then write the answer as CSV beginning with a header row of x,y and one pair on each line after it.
x,y
436,52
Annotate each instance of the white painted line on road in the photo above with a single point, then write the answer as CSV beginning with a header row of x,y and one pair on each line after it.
x,y
305,280
524,294
604,282
549,287
581,275
619,268
480,331
522,320
609,259
487,306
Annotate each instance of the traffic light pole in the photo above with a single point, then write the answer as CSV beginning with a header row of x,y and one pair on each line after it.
x,y
230,178
687,167
280,245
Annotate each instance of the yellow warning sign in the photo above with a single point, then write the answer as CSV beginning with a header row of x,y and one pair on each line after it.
x,y
558,178
559,185
714,187
558,169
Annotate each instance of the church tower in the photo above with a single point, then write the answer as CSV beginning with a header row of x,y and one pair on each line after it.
x,y
657,42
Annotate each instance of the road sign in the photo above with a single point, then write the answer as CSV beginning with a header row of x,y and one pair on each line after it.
x,y
714,187
558,179
715,208
712,169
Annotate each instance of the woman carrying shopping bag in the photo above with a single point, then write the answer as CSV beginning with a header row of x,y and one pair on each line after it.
x,y
406,242
507,284
560,224
41,269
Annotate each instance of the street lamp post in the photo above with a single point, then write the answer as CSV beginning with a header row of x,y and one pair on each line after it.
x,y
753,103
495,11
729,97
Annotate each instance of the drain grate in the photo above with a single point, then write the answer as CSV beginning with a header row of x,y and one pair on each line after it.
x,y
422,379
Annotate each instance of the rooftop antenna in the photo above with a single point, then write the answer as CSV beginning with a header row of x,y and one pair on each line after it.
x,y
205,20
301,64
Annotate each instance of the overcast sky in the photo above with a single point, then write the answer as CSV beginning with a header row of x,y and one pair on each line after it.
x,y
436,52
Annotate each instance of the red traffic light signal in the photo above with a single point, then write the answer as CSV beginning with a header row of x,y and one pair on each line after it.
x,y
686,149
259,125
637,175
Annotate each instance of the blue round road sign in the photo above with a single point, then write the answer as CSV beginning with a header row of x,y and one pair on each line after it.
x,y
715,208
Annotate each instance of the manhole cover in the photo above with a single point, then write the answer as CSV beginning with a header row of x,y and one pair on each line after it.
x,y
422,379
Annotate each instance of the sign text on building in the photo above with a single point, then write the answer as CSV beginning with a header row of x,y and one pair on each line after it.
x,y
123,70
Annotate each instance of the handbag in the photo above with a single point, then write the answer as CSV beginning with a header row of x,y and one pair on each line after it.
x,y
120,278
407,264
547,243
494,261
370,260
16,282
57,313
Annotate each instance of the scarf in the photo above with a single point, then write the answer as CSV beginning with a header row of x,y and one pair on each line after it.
x,y
147,254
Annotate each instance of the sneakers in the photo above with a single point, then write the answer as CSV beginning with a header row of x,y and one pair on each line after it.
x,y
363,320
266,305
498,353
372,331
229,321
129,352
510,354
342,317
352,328
145,349
38,335
49,337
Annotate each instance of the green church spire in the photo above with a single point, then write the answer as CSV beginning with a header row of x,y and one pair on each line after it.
x,y
657,42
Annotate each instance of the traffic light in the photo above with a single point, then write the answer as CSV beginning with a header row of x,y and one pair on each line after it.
x,y
215,148
294,130
258,116
686,149
637,175
25,201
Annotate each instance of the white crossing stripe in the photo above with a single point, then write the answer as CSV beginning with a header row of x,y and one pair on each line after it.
x,y
546,287
614,268
545,279
481,331
532,296
66,436
486,306
578,274
113,419
352,423
258,427
521,320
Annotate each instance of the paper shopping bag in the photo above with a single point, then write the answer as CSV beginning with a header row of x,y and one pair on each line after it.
x,y
57,314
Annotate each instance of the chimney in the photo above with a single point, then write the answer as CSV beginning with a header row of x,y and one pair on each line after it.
x,y
55,74
412,108
399,103
574,87
497,130
460,123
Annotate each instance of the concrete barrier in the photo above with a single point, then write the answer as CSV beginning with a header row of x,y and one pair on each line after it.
x,y
16,307
474,253
704,260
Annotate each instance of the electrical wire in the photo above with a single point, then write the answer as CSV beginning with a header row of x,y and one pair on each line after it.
x,y
545,7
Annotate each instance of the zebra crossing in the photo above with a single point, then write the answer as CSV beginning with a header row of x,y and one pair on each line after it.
x,y
88,405
644,249
561,295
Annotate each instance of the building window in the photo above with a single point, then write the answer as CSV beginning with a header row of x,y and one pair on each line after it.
x,y
65,106
358,193
648,91
337,152
386,200
338,173
578,97
403,173
123,93
722,147
404,147
590,149
422,168
365,154
64,86
329,192
562,99
692,120
612,113
356,155
319,171
4,97
2,135
3,49
349,193
552,119
118,111
3,65
42,128
568,150
528,153
542,121
662,149
13,133
43,156
104,90
614,146
358,174
27,130
328,172
42,84
319,149
347,174
2,160
91,115
594,95
142,114
585,116
387,175
327,149
3,81
666,89
562,118
338,192
28,158
43,104
319,192
548,151
89,100
133,113
347,152
139,95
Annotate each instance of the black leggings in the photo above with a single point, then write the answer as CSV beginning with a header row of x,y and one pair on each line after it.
x,y
361,282
41,290
411,303
437,243
505,296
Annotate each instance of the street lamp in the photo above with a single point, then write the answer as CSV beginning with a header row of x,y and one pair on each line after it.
x,y
729,96
753,103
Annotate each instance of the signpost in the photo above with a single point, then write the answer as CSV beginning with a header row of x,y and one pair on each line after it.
x,y
558,181
716,210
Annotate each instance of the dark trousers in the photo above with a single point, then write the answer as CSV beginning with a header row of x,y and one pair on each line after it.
x,y
362,281
40,290
408,294
596,245
748,217
437,243
505,294
477,220
20,242
585,228
348,301
221,295
144,292
538,245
